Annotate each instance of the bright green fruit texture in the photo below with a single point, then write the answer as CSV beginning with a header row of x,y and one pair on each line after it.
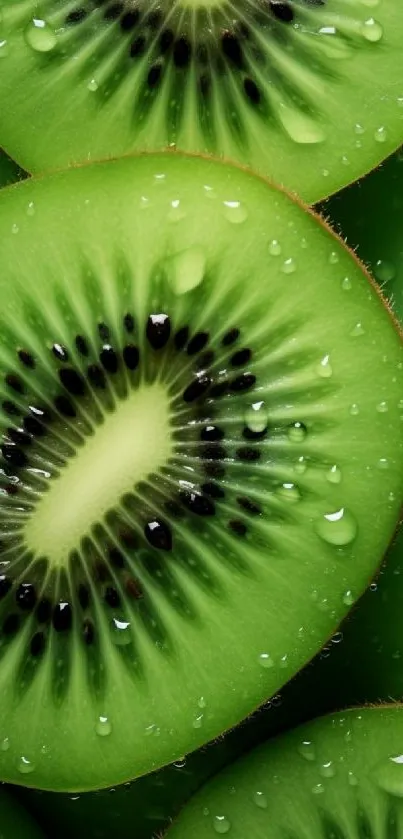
x,y
124,632
339,776
307,93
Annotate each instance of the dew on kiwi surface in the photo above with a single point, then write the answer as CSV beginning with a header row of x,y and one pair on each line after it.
x,y
388,775
337,528
40,36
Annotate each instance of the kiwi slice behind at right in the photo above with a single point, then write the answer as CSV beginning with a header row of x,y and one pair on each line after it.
x,y
307,92
339,776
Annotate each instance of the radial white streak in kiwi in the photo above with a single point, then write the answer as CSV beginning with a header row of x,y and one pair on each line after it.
x,y
133,441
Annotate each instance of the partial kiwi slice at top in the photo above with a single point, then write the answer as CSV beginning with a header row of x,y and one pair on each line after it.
x,y
339,777
308,92
196,473
369,215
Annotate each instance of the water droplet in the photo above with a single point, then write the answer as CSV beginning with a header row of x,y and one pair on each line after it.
x,y
31,209
15,229
275,248
357,331
103,727
348,736
324,368
92,85
354,409
186,269
284,661
352,779
299,126
176,211
206,811
289,266
382,407
266,661
333,475
40,36
383,463
318,789
334,258
346,284
348,598
380,134
256,417
5,744
4,48
198,721
221,824
289,492
121,632
201,702
235,212
325,173
384,271
358,128
297,432
260,799
25,766
337,528
388,775
345,160
328,769
301,465
373,587
372,30
307,750
180,763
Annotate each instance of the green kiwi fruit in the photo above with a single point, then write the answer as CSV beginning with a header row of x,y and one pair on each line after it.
x,y
197,481
369,215
339,777
9,171
15,821
308,92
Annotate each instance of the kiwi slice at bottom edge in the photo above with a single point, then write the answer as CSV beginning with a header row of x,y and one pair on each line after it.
x,y
369,215
308,92
10,173
195,469
15,821
339,777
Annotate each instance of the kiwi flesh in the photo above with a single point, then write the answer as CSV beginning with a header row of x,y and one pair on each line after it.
x,y
307,92
339,776
369,215
192,458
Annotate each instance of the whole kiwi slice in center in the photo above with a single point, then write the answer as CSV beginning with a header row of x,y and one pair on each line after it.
x,y
197,479
308,92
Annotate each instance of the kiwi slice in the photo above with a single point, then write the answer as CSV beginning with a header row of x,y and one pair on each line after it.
x,y
309,92
15,822
9,171
192,460
369,215
339,776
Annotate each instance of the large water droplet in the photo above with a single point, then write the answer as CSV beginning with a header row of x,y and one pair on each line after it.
x,y
317,789
346,284
348,598
289,492
337,528
299,126
388,775
103,726
235,212
92,85
256,417
334,258
266,661
372,30
328,769
384,271
307,750
274,248
198,721
352,779
121,632
297,432
324,368
357,330
186,269
40,36
221,824
260,799
289,266
381,135
25,766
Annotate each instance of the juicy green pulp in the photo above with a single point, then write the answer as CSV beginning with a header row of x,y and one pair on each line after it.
x,y
340,775
333,112
96,211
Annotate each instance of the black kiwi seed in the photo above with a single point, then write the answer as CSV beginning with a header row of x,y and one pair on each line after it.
x,y
82,345
197,503
14,455
11,624
33,426
5,585
232,49
214,469
197,343
37,645
131,356
60,352
158,535
15,383
213,490
116,557
249,434
128,322
248,454
219,389
112,597
26,358
137,47
20,438
83,596
205,360
158,330
10,409
154,75
238,527
249,506
76,16
129,20
181,337
173,509
243,382
72,381
252,91
197,388
96,376
241,357
166,40
62,616
88,632
213,453
25,596
211,433
44,610
65,406
113,11
282,11
109,359
182,52
104,332
230,337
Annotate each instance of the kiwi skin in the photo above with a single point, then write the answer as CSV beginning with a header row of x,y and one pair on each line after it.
x,y
338,775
